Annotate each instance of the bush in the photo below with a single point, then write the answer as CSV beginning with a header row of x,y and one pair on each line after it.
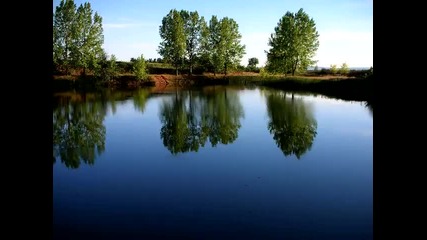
x,y
334,69
139,68
263,72
107,69
344,69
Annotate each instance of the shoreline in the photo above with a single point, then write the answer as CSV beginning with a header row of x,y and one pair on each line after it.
x,y
342,87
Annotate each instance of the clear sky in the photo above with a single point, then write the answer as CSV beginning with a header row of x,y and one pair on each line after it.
x,y
345,27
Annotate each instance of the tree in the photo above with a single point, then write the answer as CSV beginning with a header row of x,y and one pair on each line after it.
x,y
77,36
173,45
252,62
220,43
293,44
344,69
334,69
88,38
192,29
230,47
139,68
107,69
210,43
63,20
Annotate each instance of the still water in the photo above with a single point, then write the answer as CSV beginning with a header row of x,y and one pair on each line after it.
x,y
211,163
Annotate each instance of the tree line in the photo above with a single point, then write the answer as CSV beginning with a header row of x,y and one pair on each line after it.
x,y
188,41
77,43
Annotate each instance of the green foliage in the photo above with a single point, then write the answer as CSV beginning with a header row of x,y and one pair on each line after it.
x,y
263,72
230,48
107,70
293,44
220,45
173,46
139,68
334,69
252,62
192,28
77,37
63,20
344,69
210,53
187,40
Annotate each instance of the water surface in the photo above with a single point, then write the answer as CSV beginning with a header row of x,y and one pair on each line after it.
x,y
211,163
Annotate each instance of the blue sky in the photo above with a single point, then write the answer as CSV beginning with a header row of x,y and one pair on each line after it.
x,y
131,27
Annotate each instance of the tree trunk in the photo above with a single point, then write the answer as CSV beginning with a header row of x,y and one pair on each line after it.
x,y
176,68
191,65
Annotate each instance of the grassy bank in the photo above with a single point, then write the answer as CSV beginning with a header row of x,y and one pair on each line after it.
x,y
346,88
357,89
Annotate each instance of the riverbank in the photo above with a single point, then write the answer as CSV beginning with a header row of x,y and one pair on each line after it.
x,y
346,88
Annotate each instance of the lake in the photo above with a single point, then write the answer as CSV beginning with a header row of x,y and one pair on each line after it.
x,y
215,162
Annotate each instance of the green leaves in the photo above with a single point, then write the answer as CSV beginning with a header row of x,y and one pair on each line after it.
x,y
188,39
77,37
173,45
344,69
293,44
139,68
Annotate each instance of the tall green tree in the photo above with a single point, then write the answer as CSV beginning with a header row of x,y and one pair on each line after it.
x,y
230,48
293,44
173,45
88,38
63,20
192,29
77,36
220,43
210,56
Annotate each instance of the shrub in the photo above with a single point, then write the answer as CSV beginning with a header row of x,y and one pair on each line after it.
x,y
139,68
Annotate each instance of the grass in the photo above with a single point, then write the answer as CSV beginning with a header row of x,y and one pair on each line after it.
x,y
347,88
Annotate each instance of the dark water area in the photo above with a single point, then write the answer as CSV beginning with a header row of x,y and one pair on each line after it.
x,y
213,162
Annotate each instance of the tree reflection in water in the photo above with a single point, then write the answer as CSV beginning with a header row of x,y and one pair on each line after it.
x,y
291,123
190,118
